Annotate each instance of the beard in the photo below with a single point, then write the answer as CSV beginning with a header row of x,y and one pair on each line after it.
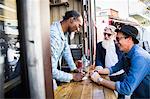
x,y
107,43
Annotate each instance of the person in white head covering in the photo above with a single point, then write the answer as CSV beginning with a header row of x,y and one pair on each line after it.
x,y
108,53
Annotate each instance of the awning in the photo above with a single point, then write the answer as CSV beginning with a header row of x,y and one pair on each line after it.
x,y
141,19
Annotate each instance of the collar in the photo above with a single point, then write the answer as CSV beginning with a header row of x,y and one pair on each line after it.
x,y
60,30
131,52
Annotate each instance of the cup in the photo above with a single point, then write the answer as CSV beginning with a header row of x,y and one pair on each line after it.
x,y
79,64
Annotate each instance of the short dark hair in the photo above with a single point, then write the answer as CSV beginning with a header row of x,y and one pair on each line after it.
x,y
71,13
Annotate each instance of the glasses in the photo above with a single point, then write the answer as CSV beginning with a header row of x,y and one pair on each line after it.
x,y
107,34
119,38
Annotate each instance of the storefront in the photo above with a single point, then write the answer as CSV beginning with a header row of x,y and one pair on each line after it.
x,y
24,49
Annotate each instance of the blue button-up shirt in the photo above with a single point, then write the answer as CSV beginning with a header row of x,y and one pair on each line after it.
x,y
137,67
60,48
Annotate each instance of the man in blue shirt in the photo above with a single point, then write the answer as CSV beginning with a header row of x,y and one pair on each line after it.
x,y
136,64
72,21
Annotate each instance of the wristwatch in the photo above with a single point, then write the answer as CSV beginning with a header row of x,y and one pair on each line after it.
x,y
100,79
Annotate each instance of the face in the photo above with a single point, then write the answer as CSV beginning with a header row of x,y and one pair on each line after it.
x,y
75,24
108,34
123,42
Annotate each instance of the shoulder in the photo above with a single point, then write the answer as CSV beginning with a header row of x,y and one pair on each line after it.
x,y
99,44
54,29
55,26
140,52
141,56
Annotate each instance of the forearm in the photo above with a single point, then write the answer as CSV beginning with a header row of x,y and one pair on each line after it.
x,y
68,57
101,81
108,84
62,76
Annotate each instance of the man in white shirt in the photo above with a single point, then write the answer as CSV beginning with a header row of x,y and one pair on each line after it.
x,y
72,21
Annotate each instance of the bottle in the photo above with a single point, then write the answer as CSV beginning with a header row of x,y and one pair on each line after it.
x,y
83,61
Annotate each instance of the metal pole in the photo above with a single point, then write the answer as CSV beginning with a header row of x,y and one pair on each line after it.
x,y
95,20
89,29
1,76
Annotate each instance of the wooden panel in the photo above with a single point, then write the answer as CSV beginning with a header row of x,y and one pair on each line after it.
x,y
9,10
87,91
10,3
55,15
58,11
77,91
64,92
79,6
109,94
10,15
98,92
70,5
75,5
62,9
45,24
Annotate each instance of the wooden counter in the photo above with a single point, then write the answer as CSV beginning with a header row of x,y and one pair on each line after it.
x,y
86,89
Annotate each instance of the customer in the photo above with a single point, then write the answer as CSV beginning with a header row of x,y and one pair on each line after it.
x,y
108,54
107,51
72,21
136,64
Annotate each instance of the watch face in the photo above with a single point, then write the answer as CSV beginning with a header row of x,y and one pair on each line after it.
x,y
100,79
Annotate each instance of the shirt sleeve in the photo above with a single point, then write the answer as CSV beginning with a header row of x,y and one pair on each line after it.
x,y
137,72
68,56
57,74
117,67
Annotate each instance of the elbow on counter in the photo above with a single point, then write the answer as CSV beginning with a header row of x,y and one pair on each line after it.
x,y
123,88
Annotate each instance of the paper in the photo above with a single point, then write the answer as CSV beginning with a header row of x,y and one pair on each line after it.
x,y
84,78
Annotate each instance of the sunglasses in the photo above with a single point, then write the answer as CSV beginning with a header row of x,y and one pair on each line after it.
x,y
119,38
107,34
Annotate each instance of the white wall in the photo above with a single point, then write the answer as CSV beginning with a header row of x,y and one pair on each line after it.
x,y
146,35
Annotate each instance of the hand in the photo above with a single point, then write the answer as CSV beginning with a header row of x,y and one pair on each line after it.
x,y
104,71
91,72
78,76
79,70
97,68
76,71
92,67
95,76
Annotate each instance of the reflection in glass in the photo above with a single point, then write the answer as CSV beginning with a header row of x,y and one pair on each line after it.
x,y
9,41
